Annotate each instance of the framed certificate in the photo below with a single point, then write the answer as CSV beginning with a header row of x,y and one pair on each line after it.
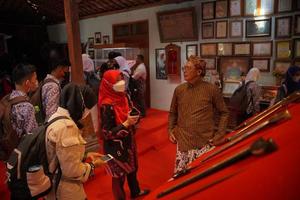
x,y
208,30
235,8
297,48
208,49
191,49
208,10
236,29
258,28
221,29
242,49
210,63
221,9
250,8
283,49
262,49
283,27
224,49
263,64
266,7
284,5
297,25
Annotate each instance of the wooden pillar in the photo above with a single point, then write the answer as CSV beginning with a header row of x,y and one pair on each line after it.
x,y
74,44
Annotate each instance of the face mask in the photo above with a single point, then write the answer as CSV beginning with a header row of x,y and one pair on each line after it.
x,y
119,86
85,113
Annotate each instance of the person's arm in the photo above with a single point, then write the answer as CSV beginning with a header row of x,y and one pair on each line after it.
x,y
139,72
256,96
219,104
173,116
29,118
109,128
50,98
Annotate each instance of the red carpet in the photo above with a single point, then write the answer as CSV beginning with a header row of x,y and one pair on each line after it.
x,y
156,159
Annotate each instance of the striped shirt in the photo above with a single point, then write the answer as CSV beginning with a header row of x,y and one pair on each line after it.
x,y
191,117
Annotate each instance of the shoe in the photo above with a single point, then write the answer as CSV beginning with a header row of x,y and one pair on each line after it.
x,y
142,193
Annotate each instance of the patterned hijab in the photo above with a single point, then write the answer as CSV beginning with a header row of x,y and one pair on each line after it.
x,y
253,75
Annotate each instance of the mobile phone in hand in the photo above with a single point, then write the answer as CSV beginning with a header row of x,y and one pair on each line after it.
x,y
134,112
106,158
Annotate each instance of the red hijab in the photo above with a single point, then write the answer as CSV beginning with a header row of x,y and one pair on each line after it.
x,y
108,96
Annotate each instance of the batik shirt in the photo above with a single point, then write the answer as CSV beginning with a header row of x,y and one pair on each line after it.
x,y
22,115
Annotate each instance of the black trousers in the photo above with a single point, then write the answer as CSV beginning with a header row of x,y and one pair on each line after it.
x,y
118,186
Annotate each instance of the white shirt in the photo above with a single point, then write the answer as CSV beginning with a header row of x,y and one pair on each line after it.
x,y
140,72
88,64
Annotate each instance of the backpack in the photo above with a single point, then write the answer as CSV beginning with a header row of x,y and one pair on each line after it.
x,y
239,100
37,101
93,81
27,166
8,136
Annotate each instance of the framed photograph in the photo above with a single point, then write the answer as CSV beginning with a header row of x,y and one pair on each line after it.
x,y
263,64
266,7
284,5
236,29
160,58
221,29
283,27
210,63
208,49
169,21
90,42
262,49
208,30
250,8
297,48
229,87
242,49
208,9
106,39
283,49
231,68
297,25
235,8
221,9
191,49
258,28
91,54
224,49
98,38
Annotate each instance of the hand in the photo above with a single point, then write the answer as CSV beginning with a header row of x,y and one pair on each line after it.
x,y
98,162
172,138
131,120
93,155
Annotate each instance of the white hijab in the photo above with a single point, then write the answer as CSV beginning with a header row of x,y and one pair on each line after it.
x,y
253,75
123,64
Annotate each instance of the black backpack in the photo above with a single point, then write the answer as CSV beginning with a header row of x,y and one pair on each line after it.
x,y
239,100
27,166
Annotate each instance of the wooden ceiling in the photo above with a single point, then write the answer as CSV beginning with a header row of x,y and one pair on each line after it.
x,y
52,11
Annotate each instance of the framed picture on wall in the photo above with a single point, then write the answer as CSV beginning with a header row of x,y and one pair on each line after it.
x,y
282,66
210,63
266,7
221,29
208,9
283,27
263,64
297,48
221,9
235,8
98,38
236,29
91,54
106,39
258,28
229,87
160,60
283,49
250,8
170,21
242,49
208,49
208,30
90,42
191,49
262,49
224,49
284,5
297,25
231,68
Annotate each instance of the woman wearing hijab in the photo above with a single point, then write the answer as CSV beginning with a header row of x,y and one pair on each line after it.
x,y
290,84
253,92
124,68
118,128
65,145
